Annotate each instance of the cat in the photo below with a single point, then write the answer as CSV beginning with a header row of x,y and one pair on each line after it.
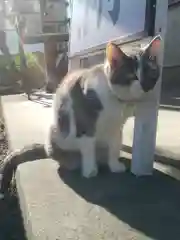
x,y
90,108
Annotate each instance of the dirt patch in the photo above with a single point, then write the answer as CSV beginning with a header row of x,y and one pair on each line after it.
x,y
11,224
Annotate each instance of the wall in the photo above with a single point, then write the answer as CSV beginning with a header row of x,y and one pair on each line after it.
x,y
33,23
74,63
55,11
1,15
171,70
30,10
172,43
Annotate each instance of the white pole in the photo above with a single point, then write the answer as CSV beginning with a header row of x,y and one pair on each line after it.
x,y
147,112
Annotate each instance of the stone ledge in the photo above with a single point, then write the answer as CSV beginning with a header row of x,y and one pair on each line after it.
x,y
62,205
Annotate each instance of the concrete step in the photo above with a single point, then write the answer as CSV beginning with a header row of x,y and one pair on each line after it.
x,y
57,204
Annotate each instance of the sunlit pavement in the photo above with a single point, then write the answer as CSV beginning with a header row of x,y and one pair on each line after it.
x,y
28,119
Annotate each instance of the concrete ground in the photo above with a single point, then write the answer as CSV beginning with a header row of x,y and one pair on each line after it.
x,y
31,118
170,96
25,119
60,205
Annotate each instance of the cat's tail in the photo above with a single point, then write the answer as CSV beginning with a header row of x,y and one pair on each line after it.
x,y
14,159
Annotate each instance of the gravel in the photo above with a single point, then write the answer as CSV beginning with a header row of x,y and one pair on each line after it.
x,y
11,224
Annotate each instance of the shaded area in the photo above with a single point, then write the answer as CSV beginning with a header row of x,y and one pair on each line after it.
x,y
11,90
161,155
11,224
11,227
165,160
171,98
148,204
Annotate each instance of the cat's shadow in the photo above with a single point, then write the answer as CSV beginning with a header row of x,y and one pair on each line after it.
x,y
148,204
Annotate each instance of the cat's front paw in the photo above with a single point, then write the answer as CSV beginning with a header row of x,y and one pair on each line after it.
x,y
116,167
90,172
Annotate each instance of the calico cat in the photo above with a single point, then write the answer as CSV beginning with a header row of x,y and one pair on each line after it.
x,y
89,111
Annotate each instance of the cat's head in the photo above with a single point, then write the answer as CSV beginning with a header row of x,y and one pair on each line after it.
x,y
135,74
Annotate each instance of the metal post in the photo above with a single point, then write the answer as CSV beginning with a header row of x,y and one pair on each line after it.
x,y
146,115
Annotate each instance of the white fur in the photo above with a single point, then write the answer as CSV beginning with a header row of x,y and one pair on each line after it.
x,y
109,125
118,104
89,165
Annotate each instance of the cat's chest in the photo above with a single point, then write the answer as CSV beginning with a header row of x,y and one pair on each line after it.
x,y
112,108
111,116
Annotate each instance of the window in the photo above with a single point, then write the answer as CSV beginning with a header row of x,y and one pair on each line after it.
x,y
84,63
49,29
92,60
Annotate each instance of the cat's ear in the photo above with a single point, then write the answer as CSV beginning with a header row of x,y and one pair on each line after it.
x,y
114,54
152,49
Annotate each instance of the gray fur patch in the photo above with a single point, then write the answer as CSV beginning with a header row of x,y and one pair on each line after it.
x,y
86,106
69,159
124,72
64,122
150,71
